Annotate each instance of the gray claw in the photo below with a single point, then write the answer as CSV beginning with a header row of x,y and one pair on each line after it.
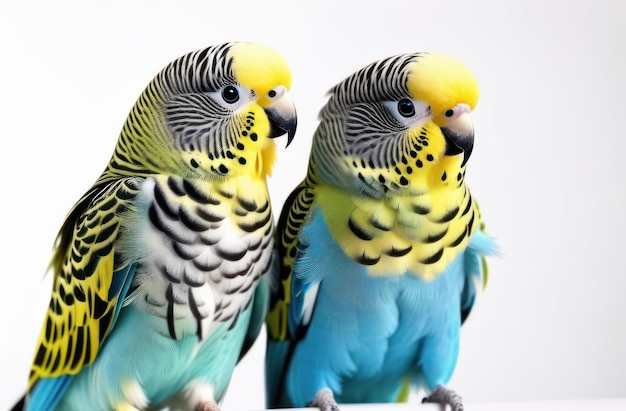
x,y
443,395
324,400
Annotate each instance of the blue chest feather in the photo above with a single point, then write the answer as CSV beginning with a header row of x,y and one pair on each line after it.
x,y
162,364
366,334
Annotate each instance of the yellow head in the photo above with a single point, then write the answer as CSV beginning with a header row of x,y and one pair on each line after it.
x,y
443,82
260,68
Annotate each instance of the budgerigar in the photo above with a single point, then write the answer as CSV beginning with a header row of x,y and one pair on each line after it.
x,y
381,247
158,269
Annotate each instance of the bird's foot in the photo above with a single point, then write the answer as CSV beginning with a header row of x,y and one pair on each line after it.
x,y
443,395
324,400
207,406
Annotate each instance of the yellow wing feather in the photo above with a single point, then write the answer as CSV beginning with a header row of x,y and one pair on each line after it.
x,y
82,310
293,216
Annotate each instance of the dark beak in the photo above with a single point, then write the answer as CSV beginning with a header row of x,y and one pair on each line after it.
x,y
283,118
458,143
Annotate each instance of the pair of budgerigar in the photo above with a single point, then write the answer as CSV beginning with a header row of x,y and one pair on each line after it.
x,y
166,269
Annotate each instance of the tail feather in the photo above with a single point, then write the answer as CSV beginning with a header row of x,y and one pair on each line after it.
x,y
276,362
19,406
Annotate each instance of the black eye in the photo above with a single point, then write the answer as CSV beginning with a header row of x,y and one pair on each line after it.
x,y
271,93
230,94
406,108
449,113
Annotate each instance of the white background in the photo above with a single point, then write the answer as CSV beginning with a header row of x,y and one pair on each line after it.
x,y
547,166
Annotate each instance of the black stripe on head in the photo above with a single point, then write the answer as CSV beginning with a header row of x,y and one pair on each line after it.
x,y
199,71
380,81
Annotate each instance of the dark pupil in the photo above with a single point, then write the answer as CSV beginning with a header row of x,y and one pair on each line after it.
x,y
449,113
271,93
230,94
406,108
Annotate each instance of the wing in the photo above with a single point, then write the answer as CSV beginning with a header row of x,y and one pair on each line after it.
x,y
285,311
476,270
291,299
89,286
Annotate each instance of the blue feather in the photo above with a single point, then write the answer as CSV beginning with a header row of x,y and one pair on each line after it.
x,y
120,284
159,359
47,393
368,334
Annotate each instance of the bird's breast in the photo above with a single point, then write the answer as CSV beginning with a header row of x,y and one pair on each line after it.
x,y
417,234
205,246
